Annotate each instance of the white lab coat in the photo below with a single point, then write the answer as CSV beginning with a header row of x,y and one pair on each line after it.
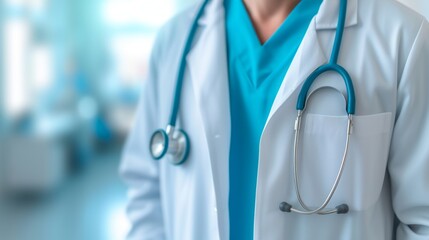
x,y
386,51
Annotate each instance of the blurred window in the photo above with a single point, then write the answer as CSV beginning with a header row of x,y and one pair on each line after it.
x,y
26,67
16,40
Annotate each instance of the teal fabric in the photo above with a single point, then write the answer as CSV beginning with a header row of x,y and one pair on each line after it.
x,y
255,74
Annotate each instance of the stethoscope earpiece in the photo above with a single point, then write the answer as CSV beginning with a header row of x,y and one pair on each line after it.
x,y
285,207
172,142
340,209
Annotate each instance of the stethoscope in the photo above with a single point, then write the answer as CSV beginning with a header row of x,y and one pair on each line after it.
x,y
175,142
172,141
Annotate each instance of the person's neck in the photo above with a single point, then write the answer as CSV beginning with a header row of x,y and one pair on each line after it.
x,y
268,15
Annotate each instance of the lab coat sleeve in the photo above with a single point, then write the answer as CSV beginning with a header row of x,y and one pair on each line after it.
x,y
409,155
138,170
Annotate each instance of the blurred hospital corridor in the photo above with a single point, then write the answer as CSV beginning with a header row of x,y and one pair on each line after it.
x,y
70,80
89,205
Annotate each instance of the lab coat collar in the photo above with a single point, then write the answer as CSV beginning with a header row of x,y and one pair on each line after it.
x,y
327,17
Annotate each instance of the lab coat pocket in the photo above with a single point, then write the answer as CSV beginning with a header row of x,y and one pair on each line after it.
x,y
321,150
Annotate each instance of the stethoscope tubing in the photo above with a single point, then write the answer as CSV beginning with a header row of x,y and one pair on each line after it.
x,y
182,67
337,179
329,67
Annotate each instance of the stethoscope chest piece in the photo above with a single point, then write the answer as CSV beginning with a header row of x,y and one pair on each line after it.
x,y
173,143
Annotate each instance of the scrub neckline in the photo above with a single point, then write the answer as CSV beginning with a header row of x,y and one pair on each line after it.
x,y
249,24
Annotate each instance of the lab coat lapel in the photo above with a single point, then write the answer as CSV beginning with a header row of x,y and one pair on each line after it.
x,y
207,63
309,56
312,53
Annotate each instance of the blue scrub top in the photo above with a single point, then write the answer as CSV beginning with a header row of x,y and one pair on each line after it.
x,y
256,72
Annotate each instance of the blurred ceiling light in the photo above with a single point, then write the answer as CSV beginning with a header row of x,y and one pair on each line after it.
x,y
145,12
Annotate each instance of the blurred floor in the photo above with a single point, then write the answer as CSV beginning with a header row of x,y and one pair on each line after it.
x,y
89,206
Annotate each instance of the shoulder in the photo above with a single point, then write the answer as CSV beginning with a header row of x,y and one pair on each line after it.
x,y
391,27
390,17
180,21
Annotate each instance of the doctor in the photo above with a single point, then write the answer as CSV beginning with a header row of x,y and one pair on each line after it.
x,y
252,171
